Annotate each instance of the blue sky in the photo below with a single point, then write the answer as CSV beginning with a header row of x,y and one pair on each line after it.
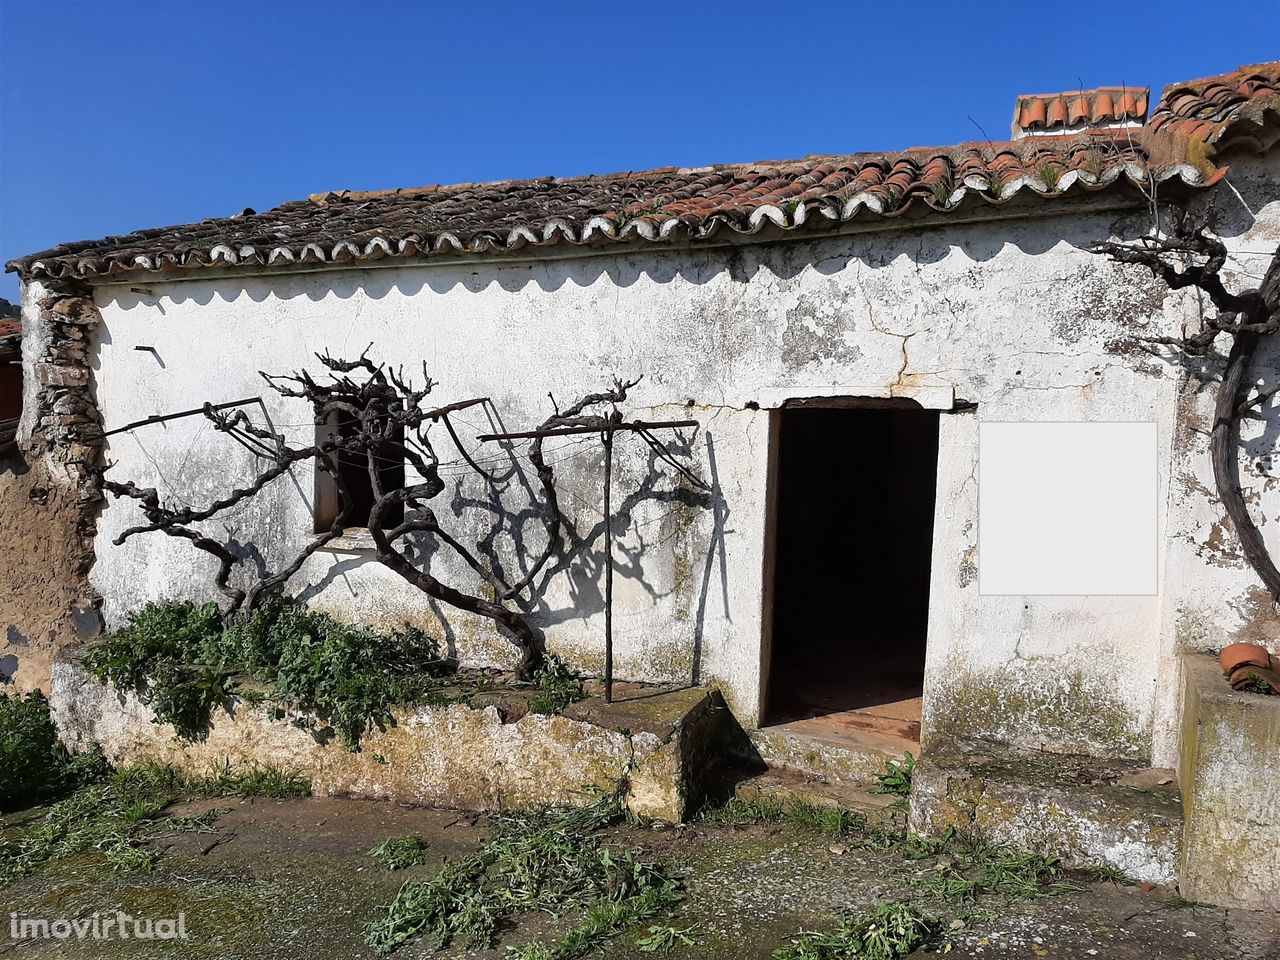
x,y
116,116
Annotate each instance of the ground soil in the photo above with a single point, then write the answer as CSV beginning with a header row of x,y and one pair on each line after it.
x,y
281,880
45,599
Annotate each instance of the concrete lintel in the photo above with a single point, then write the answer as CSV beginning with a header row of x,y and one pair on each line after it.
x,y
930,398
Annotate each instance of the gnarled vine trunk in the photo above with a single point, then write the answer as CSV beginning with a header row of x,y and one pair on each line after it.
x,y
1191,257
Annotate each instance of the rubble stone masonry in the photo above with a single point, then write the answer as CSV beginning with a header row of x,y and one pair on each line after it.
x,y
49,501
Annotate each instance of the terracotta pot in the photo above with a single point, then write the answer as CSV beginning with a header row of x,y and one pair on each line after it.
x,y
1237,655
1256,679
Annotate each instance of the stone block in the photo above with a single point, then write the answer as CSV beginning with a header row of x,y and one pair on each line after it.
x,y
53,375
1089,812
836,761
1230,775
463,756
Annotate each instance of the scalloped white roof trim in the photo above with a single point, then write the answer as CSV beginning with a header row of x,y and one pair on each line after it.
x,y
560,230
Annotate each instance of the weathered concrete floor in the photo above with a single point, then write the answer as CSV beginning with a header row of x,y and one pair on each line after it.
x,y
292,879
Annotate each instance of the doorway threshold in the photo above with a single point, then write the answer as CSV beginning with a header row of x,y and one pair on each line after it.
x,y
848,746
898,720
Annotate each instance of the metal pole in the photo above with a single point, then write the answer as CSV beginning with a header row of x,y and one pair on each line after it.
x,y
164,418
584,428
608,568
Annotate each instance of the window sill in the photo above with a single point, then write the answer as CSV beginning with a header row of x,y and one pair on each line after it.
x,y
354,540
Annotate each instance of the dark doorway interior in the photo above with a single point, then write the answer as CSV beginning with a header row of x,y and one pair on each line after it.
x,y
853,541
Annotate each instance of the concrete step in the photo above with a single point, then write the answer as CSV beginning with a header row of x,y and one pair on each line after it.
x,y
834,752
789,786
1086,810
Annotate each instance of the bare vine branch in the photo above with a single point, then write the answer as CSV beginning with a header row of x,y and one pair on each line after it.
x,y
386,421
1191,256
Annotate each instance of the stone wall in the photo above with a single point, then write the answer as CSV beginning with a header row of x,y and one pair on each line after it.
x,y
658,750
48,499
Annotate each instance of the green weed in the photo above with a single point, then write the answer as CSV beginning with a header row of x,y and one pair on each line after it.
x,y
1093,164
152,780
890,931
1178,902
399,852
1254,684
1050,174
186,662
551,859
818,818
800,813
266,780
34,765
1106,873
942,191
558,686
739,811
896,778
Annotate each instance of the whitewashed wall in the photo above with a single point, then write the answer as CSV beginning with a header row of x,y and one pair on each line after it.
x,y
1015,315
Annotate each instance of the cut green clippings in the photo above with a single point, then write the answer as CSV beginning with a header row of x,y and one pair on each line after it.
x,y
890,931
558,686
399,852
968,868
663,939
118,817
552,860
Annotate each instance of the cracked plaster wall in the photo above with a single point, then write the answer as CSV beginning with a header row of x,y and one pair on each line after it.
x,y
1014,315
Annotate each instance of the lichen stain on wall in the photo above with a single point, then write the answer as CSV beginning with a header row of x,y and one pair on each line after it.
x,y
967,573
817,330
1111,305
1037,704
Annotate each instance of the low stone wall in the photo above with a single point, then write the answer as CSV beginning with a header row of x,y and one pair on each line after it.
x,y
1230,774
1090,812
656,746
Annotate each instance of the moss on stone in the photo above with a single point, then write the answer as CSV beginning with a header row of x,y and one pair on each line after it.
x,y
1066,712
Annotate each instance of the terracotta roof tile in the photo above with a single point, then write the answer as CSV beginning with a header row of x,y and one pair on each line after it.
x,y
1224,111
698,204
1105,106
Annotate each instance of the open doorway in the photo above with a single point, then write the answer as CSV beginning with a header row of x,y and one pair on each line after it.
x,y
854,489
